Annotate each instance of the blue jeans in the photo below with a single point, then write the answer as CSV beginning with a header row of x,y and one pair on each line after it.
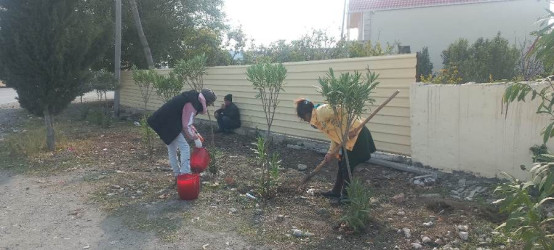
x,y
181,144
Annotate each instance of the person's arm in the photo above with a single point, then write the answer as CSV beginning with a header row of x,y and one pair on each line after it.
x,y
188,119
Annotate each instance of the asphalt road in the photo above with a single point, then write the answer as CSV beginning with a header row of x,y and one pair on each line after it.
x,y
8,95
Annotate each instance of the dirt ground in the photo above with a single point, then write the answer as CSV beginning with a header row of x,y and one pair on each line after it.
x,y
101,190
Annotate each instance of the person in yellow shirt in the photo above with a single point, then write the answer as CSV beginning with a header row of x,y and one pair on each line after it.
x,y
359,146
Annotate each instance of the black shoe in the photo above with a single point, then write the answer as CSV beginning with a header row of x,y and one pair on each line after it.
x,y
344,200
329,194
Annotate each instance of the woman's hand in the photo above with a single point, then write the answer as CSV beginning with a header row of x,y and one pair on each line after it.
x,y
352,133
328,157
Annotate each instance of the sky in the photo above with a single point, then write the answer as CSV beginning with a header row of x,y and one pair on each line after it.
x,y
267,21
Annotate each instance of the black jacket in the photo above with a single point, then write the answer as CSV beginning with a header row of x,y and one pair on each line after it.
x,y
231,111
167,120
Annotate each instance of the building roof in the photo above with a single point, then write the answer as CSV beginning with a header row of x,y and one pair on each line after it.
x,y
365,5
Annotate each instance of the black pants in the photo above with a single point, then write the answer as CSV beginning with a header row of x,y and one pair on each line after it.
x,y
361,152
225,123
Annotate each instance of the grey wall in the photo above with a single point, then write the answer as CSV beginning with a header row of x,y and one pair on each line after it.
x,y
437,27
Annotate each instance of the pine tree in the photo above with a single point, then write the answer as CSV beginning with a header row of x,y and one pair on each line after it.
x,y
47,48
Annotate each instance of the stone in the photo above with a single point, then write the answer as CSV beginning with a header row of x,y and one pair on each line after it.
x,y
425,239
464,235
419,183
401,213
280,218
462,182
232,210
399,198
407,232
323,212
299,233
428,224
416,246
302,167
463,228
439,242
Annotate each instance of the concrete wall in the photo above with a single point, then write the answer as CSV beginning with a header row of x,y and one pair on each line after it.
x,y
437,27
462,127
390,128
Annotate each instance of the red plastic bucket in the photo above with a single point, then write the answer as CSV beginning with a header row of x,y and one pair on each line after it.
x,y
199,160
188,186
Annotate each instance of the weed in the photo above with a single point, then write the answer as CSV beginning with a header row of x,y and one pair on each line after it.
x,y
356,214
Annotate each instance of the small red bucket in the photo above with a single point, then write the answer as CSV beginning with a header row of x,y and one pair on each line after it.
x,y
199,160
188,186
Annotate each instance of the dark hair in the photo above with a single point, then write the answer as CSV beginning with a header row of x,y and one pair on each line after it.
x,y
303,107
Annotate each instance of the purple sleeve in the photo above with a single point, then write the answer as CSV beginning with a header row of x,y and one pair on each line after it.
x,y
187,119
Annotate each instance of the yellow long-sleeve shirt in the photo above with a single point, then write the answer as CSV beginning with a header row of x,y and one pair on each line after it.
x,y
324,119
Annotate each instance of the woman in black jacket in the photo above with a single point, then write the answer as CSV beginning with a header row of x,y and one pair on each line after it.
x,y
176,118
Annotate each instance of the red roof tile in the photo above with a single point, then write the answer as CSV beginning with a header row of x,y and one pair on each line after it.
x,y
364,5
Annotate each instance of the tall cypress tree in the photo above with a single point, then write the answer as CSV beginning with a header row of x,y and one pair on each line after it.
x,y
47,47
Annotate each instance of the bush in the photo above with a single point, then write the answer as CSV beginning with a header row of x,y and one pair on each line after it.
x,y
99,117
484,61
424,65
356,213
525,201
269,180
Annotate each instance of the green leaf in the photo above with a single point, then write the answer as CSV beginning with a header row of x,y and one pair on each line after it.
x,y
548,132
545,200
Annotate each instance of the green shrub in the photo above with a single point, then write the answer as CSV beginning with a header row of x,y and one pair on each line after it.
x,y
484,61
356,214
424,65
525,201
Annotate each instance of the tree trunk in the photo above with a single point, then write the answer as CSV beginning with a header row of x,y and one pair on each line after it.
x,y
50,137
117,63
142,37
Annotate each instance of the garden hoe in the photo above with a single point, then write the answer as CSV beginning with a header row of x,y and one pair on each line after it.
x,y
336,150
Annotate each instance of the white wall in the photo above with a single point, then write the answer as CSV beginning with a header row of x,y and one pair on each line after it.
x,y
462,127
437,27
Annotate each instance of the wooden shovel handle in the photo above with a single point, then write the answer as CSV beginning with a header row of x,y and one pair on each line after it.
x,y
336,150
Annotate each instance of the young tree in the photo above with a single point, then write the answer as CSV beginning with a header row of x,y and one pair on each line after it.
x,y
191,72
168,87
145,80
46,48
348,95
268,80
